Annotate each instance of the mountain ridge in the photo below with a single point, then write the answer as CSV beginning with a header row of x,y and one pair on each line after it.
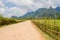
x,y
41,13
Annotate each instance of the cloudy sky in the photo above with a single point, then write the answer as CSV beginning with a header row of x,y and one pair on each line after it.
x,y
21,7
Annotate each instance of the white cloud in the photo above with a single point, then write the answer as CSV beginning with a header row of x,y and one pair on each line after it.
x,y
44,3
8,15
1,4
21,2
14,11
56,2
2,10
35,4
29,4
17,11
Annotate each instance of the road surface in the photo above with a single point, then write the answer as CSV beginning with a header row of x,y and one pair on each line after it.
x,y
20,31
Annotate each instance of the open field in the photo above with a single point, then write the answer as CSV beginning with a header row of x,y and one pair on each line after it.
x,y
51,27
50,23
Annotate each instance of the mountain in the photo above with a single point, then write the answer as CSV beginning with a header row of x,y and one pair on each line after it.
x,y
46,13
28,15
42,13
57,9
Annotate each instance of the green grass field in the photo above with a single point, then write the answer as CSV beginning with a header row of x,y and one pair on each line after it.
x,y
51,27
50,23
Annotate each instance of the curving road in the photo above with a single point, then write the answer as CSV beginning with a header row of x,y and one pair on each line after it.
x,y
20,31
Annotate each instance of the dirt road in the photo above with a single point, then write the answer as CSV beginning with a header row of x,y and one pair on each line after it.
x,y
20,31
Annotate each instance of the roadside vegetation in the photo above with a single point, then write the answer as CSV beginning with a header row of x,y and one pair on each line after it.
x,y
51,27
7,21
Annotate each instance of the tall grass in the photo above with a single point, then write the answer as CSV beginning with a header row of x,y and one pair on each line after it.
x,y
7,21
51,27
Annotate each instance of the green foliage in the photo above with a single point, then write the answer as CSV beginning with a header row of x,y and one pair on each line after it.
x,y
6,21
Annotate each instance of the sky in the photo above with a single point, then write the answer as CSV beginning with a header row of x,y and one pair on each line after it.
x,y
10,8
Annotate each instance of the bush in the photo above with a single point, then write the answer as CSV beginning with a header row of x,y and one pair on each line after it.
x,y
6,21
